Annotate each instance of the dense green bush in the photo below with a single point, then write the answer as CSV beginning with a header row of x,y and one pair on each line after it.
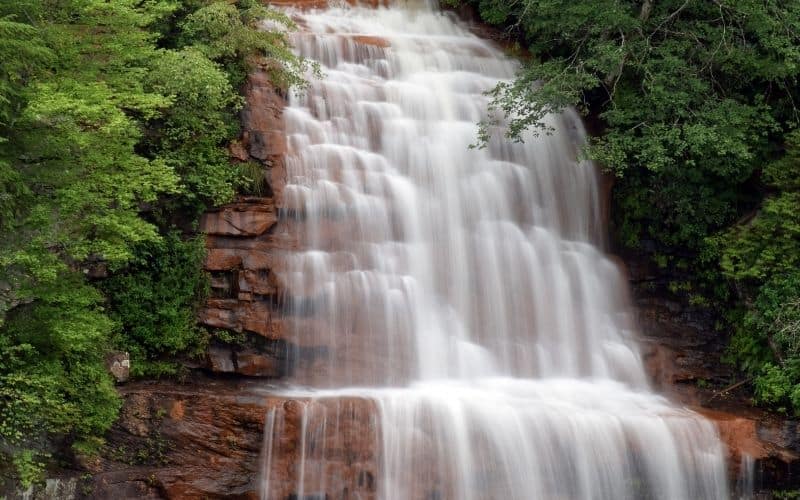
x,y
768,243
761,255
52,379
189,136
767,342
154,302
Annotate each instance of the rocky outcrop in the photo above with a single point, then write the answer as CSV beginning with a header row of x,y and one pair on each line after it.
x,y
684,354
244,243
200,439
250,218
119,365
338,441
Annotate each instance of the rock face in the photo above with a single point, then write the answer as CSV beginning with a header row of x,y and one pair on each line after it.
x,y
246,219
340,450
244,243
196,440
201,440
119,365
683,353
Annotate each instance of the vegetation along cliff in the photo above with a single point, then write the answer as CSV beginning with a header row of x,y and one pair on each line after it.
x,y
135,205
115,117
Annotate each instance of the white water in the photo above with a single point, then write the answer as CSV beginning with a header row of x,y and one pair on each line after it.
x,y
461,291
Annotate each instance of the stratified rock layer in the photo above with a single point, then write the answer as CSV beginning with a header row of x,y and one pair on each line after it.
x,y
202,439
244,241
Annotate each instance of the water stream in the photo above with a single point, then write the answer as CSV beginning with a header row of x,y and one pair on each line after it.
x,y
462,294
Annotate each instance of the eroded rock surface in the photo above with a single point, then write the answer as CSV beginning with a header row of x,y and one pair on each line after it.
x,y
684,355
201,440
194,440
244,241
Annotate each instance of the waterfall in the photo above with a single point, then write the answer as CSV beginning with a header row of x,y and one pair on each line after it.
x,y
459,332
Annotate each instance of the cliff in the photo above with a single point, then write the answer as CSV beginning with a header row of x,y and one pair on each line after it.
x,y
202,437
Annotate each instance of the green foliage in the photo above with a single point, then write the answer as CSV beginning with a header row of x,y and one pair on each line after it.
x,y
767,341
776,315
190,134
229,337
82,143
768,243
761,255
228,33
155,299
22,55
29,467
253,177
114,117
90,446
52,378
773,385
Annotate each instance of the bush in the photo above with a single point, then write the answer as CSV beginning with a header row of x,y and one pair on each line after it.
x,y
155,300
767,342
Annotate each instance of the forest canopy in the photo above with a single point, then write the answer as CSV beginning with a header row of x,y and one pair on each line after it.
x,y
697,109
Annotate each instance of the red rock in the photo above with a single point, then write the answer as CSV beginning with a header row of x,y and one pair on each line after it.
x,y
219,318
371,40
222,259
254,364
239,220
238,151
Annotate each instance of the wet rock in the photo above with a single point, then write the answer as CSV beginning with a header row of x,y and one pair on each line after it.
x,y
683,354
220,360
371,40
758,436
240,219
211,435
249,361
341,449
200,439
252,363
52,489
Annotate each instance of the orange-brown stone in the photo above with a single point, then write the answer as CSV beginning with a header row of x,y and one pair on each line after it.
x,y
240,219
371,40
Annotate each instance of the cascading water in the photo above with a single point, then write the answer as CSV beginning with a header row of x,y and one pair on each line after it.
x,y
456,297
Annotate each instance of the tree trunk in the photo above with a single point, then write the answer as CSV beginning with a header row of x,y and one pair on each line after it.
x,y
647,9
